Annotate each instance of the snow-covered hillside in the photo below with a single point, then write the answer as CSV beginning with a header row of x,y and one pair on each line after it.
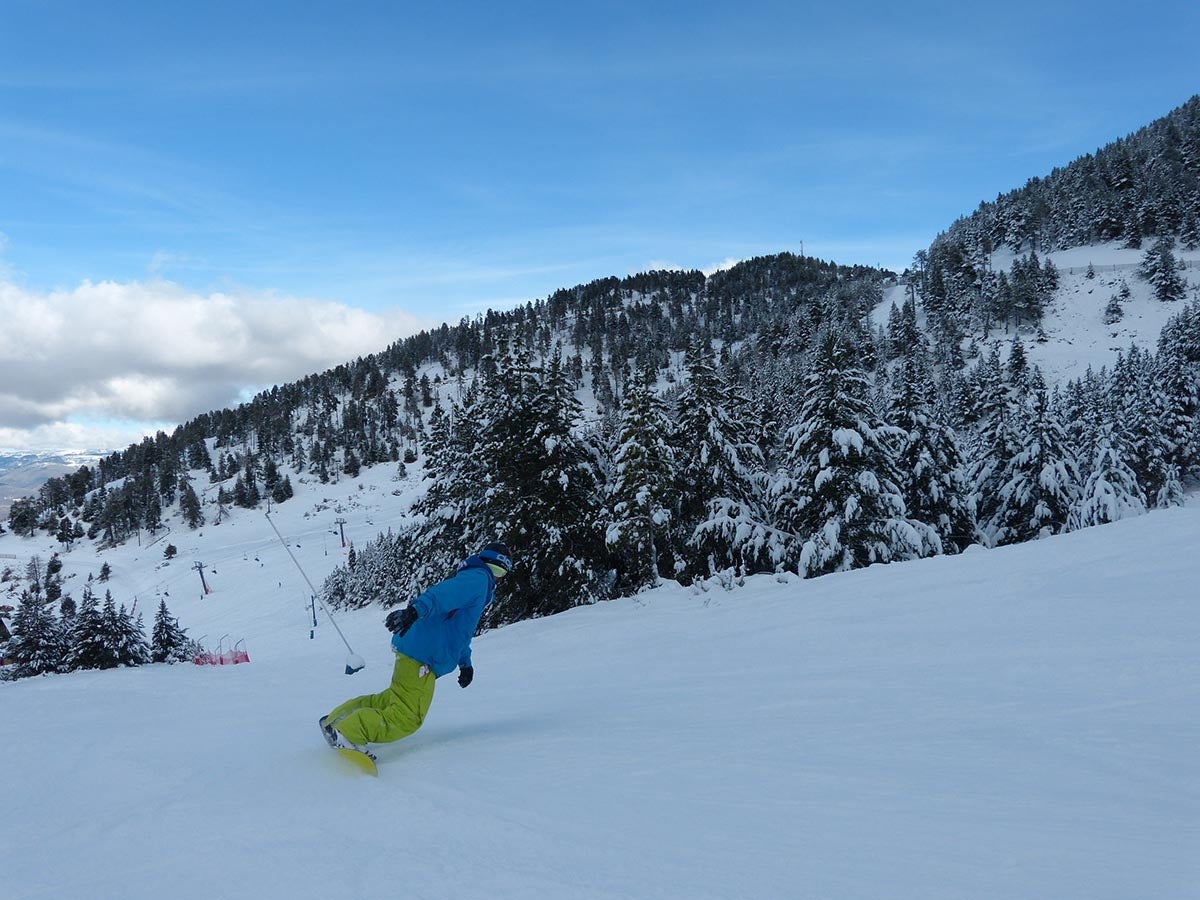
x,y
1012,723
1077,335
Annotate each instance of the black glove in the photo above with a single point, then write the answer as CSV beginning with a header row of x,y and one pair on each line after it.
x,y
398,621
465,674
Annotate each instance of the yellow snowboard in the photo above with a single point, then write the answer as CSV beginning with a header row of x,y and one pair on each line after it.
x,y
364,762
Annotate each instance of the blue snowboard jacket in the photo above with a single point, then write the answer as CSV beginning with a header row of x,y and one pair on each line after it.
x,y
447,616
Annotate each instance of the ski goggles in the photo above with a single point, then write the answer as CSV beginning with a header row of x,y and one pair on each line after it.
x,y
500,564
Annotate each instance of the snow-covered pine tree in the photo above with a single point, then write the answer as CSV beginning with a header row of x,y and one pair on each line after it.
x,y
1040,484
382,573
335,588
283,490
1143,422
108,637
764,414
1189,228
239,492
1171,493
169,641
838,490
52,588
89,647
299,457
1178,401
35,574
908,337
1113,311
995,441
892,344
64,626
1160,268
152,513
451,517
641,491
36,644
270,475
543,493
928,458
189,507
198,456
223,503
1111,491
719,511
1018,366
1086,413
131,647
1181,335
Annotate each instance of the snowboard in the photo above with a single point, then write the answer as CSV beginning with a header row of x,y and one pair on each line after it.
x,y
360,759
364,762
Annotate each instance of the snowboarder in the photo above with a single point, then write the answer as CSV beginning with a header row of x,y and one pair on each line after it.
x,y
431,636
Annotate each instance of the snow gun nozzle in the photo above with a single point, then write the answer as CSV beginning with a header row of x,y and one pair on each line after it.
x,y
354,663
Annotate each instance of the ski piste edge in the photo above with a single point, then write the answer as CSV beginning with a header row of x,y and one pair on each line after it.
x,y
364,762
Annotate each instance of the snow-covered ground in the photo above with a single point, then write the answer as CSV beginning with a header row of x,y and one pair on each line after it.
x,y
1014,723
1074,322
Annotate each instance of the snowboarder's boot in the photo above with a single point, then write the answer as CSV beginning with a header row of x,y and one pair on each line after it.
x,y
339,741
328,732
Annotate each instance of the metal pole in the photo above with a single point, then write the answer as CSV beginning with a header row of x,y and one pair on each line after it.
x,y
354,662
199,567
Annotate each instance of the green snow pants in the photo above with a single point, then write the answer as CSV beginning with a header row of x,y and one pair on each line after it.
x,y
392,714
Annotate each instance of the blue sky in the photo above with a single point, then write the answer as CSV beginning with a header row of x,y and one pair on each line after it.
x,y
404,160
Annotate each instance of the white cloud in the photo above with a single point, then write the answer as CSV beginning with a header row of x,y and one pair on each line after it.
x,y
659,265
163,261
124,355
79,436
727,263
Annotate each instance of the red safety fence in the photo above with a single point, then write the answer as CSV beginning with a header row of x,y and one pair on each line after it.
x,y
222,657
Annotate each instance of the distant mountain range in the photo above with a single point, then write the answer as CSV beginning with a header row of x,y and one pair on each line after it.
x,y
23,472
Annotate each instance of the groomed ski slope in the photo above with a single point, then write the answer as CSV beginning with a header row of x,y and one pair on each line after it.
x,y
1015,723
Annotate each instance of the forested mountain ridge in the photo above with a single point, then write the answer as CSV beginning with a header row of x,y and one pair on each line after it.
x,y
386,407
676,425
1139,188
376,406
1144,185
